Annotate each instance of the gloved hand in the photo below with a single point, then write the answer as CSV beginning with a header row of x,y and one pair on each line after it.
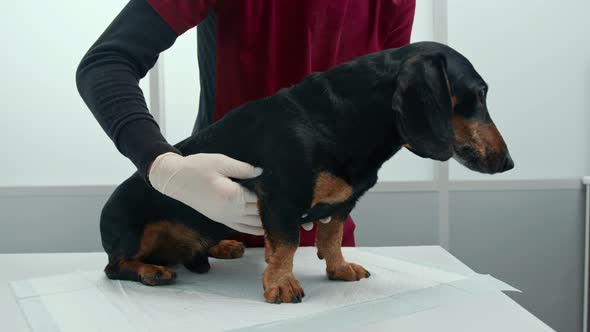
x,y
202,182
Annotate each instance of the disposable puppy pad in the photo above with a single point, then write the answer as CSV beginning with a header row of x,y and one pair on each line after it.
x,y
229,297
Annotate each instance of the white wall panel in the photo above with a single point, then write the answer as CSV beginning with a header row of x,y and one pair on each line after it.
x,y
181,87
47,135
535,55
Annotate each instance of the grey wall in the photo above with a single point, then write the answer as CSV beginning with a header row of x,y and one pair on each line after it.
x,y
397,219
531,239
534,240
51,220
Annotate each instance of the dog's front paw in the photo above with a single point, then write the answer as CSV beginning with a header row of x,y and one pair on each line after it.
x,y
281,287
348,272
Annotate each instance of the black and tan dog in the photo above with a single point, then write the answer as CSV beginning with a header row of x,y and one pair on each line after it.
x,y
320,144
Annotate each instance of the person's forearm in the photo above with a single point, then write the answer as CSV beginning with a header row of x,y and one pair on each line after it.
x,y
108,81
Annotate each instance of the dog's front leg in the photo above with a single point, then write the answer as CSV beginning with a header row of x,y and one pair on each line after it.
x,y
281,242
280,285
329,244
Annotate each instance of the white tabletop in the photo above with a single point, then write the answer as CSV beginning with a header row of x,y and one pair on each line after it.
x,y
490,312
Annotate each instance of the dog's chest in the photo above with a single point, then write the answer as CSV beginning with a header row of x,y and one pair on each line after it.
x,y
330,189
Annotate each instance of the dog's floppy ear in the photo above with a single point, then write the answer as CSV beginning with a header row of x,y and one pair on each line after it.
x,y
422,101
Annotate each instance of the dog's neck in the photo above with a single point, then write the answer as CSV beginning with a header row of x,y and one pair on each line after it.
x,y
354,100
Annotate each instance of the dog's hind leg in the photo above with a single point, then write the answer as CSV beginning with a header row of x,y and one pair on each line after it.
x,y
134,270
227,249
161,243
198,263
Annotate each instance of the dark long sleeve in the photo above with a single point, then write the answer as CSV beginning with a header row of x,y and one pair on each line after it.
x,y
108,81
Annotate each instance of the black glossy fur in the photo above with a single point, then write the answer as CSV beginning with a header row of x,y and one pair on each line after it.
x,y
346,121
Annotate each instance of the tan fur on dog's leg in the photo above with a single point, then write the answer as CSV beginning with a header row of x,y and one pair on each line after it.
x,y
280,285
329,244
227,249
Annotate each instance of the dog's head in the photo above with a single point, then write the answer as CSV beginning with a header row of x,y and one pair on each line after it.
x,y
440,103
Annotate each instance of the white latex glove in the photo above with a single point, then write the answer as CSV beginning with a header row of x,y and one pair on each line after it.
x,y
202,182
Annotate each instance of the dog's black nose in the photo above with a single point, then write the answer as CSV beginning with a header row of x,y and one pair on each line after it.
x,y
508,163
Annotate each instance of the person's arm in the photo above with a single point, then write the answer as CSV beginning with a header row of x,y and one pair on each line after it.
x,y
108,81
108,75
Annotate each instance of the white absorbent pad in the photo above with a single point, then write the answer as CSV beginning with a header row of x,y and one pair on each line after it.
x,y
229,297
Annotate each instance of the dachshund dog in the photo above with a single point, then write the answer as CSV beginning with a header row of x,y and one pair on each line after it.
x,y
320,144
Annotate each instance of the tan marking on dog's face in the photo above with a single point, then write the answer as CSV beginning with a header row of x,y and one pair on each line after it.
x,y
170,242
481,137
330,189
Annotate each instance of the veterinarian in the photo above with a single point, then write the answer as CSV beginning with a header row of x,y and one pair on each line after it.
x,y
247,49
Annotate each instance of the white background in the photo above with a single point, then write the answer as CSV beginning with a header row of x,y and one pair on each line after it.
x,y
47,135
534,54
